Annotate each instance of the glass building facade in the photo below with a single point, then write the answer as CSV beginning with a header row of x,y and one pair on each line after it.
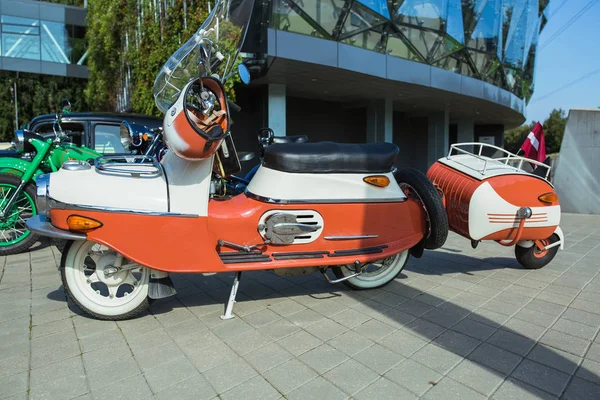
x,y
491,40
37,39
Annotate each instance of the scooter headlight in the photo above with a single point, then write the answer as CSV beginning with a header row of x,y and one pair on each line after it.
x,y
126,140
41,197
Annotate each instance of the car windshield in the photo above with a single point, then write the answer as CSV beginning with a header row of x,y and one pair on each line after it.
x,y
214,49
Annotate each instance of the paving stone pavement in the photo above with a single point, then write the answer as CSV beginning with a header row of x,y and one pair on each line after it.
x,y
457,323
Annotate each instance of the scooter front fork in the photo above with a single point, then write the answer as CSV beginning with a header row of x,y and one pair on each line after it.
x,y
12,199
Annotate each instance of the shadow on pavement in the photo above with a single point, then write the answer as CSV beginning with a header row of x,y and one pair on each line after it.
x,y
458,331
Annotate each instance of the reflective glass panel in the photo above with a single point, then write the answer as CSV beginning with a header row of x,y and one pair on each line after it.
x,y
397,47
454,23
472,10
379,6
370,40
55,42
423,13
360,19
78,44
286,19
423,41
446,46
325,13
483,62
20,37
456,63
533,24
486,35
516,18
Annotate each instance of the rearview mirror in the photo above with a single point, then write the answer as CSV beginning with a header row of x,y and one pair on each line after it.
x,y
244,73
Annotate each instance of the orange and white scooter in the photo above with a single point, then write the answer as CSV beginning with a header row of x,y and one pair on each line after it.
x,y
308,208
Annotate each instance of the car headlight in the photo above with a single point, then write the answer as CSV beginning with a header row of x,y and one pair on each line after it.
x,y
42,183
19,140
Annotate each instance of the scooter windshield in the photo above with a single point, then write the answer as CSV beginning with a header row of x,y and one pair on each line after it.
x,y
213,50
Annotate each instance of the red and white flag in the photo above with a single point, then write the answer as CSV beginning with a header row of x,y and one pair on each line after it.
x,y
534,146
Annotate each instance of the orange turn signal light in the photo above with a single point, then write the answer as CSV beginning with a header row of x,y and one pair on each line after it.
x,y
377,180
82,224
145,136
549,197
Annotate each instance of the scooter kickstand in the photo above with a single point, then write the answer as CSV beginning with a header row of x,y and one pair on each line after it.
x,y
229,307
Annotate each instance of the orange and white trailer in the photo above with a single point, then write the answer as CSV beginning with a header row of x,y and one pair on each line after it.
x,y
495,198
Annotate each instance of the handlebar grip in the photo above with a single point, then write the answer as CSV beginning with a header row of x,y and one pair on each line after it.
x,y
234,106
69,133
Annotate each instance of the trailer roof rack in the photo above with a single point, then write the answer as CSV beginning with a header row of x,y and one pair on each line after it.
x,y
484,165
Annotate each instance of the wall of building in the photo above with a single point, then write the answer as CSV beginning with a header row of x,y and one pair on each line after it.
x,y
577,175
326,121
410,135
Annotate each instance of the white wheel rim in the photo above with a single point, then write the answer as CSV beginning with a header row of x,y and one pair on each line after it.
x,y
101,293
385,270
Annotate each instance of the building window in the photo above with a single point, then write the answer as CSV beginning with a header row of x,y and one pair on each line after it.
x,y
35,39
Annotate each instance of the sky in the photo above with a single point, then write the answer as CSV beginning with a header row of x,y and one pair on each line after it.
x,y
572,55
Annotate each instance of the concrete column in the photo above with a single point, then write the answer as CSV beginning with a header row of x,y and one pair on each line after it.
x,y
466,131
438,137
380,121
277,109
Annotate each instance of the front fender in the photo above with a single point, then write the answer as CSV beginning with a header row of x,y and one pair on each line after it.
x,y
16,166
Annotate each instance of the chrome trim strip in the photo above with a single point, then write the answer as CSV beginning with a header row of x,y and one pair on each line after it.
x,y
350,237
42,183
55,204
322,201
42,226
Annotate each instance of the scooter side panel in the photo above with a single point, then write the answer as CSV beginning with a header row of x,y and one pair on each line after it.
x,y
90,188
398,225
278,185
167,243
189,244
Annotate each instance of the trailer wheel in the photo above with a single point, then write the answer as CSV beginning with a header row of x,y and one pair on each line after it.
x,y
533,258
416,185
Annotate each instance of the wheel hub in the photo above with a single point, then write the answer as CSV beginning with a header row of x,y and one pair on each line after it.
x,y
107,273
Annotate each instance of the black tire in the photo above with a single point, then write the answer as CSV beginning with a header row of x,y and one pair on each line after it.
x,y
437,224
140,310
530,257
59,244
31,238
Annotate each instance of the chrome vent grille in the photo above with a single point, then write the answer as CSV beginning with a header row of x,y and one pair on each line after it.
x,y
310,219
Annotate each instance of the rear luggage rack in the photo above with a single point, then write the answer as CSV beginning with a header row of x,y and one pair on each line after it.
x,y
135,165
495,162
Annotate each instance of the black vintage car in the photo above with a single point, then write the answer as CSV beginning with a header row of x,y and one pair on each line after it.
x,y
100,130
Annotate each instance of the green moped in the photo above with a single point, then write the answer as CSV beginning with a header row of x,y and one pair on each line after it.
x,y
35,155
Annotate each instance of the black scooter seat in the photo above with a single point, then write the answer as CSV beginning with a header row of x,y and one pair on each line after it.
x,y
331,157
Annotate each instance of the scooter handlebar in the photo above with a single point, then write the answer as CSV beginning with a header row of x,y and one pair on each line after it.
x,y
233,106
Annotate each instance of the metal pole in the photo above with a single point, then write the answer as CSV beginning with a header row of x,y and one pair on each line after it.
x,y
16,103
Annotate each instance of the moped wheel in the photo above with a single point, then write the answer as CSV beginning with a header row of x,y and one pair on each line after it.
x,y
98,291
534,258
375,275
14,235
